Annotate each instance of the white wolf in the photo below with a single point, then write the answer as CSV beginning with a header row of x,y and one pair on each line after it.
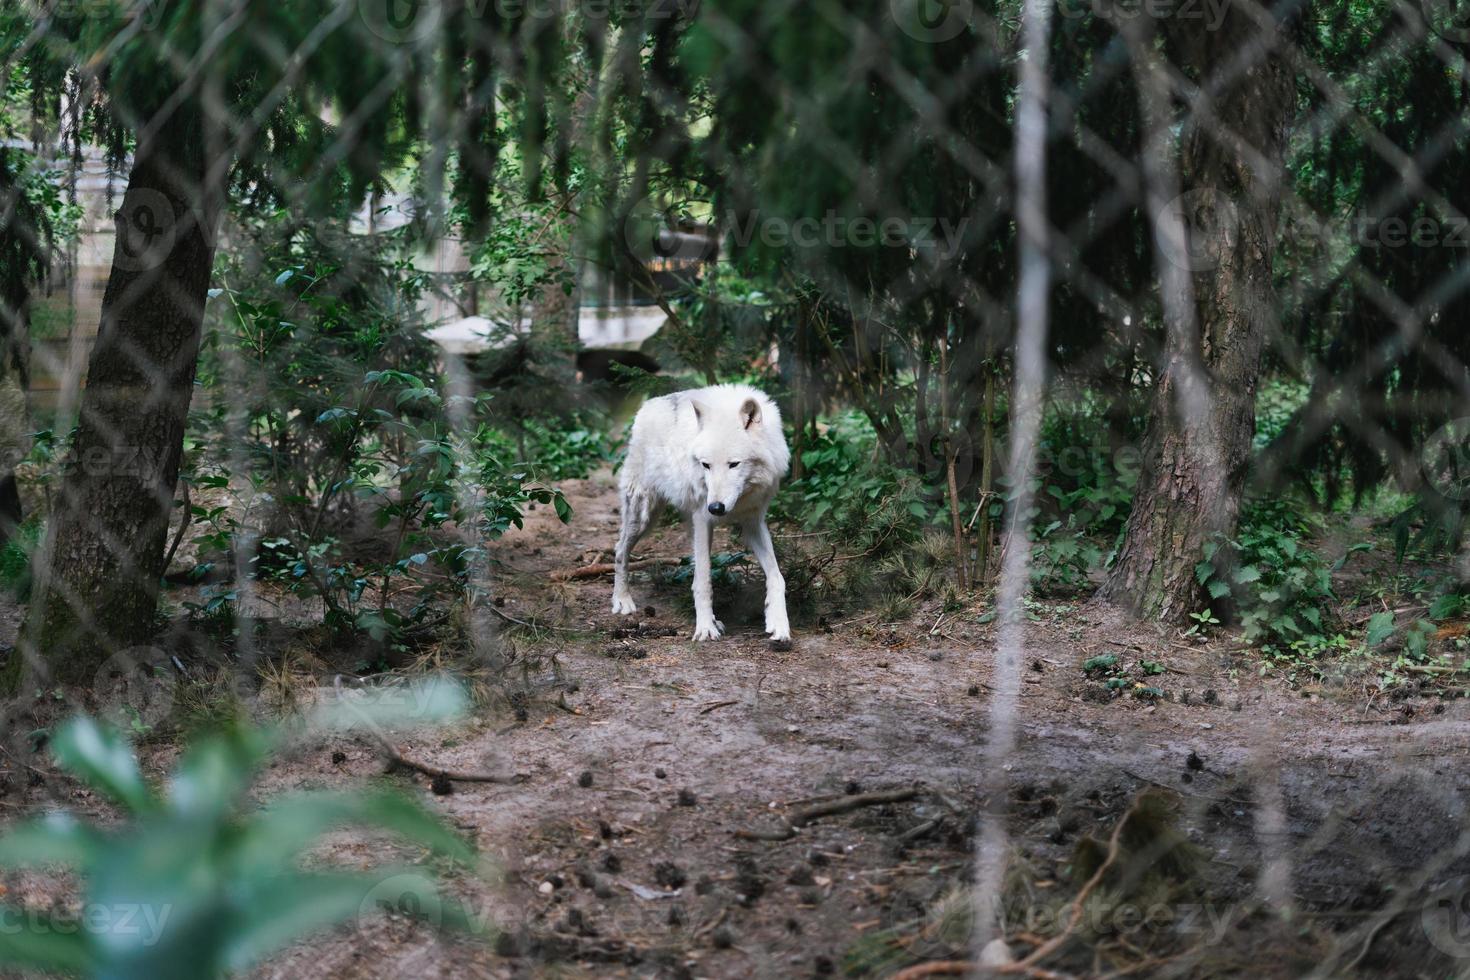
x,y
717,454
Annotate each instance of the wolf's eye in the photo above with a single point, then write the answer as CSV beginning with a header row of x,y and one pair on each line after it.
x,y
733,465
705,465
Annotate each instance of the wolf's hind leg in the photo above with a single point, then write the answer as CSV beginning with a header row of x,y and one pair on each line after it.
x,y
637,514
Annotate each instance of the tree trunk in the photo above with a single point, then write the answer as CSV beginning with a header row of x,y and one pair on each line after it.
x,y
23,257
97,588
1198,445
14,416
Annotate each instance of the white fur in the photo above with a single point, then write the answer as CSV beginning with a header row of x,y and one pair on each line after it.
x,y
680,453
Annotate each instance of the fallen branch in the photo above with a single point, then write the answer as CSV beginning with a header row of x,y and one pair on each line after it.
x,y
844,804
533,625
963,968
605,568
936,968
718,704
1028,966
397,760
1055,942
919,831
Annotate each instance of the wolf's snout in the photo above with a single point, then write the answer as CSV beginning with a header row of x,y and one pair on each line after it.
x,y
717,508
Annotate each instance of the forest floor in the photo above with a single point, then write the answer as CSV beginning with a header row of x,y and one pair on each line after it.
x,y
643,754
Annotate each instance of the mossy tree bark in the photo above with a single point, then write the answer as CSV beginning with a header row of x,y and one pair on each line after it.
x,y
1194,473
97,584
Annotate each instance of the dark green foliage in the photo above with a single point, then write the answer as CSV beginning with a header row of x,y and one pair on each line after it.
x,y
196,881
868,518
1268,575
354,456
15,559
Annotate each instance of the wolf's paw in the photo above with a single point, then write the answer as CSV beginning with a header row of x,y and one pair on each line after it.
x,y
779,632
624,605
708,631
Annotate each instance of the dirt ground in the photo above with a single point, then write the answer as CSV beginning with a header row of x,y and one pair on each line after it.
x,y
1322,826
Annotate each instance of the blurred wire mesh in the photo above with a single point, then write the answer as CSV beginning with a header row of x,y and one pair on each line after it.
x,y
287,288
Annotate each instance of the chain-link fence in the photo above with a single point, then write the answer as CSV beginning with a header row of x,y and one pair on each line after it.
x,y
1120,351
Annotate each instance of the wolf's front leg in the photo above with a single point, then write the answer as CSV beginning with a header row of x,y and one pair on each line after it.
x,y
706,627
758,539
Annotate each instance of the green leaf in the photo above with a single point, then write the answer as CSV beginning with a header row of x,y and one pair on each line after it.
x,y
1380,628
273,841
1218,589
1446,605
1203,571
216,771
104,760
1247,573
42,944
433,701
56,838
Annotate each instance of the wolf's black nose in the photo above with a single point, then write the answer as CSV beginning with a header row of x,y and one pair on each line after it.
x,y
717,508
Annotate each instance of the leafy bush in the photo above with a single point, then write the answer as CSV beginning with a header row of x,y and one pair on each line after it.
x,y
1081,481
556,449
871,516
1083,492
198,882
1279,588
1062,558
348,476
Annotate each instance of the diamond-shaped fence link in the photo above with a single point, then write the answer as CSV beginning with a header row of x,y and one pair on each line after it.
x,y
307,308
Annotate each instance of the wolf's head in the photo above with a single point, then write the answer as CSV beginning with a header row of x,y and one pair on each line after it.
x,y
732,454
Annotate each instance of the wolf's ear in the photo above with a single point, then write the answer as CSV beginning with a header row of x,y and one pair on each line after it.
x,y
750,413
699,411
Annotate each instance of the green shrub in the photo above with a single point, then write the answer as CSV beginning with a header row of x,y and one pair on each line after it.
x,y
197,881
1279,588
345,426
871,516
